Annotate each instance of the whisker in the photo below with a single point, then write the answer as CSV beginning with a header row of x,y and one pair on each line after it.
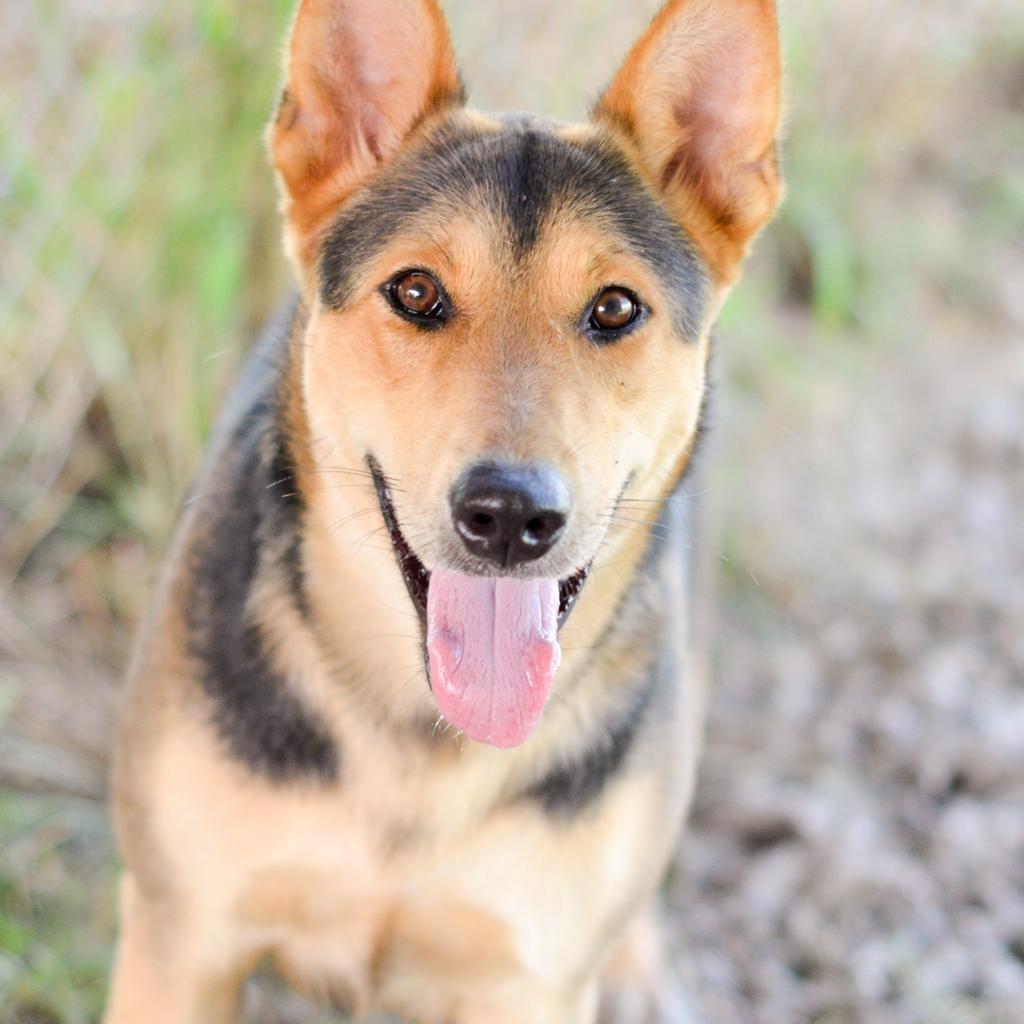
x,y
403,687
362,540
400,611
340,487
353,515
365,474
343,469
652,523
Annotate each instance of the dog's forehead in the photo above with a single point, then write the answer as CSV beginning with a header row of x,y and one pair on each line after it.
x,y
521,175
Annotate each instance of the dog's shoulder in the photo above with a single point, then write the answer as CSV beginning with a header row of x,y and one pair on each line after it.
x,y
243,543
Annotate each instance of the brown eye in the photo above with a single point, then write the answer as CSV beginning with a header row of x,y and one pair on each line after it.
x,y
614,309
416,295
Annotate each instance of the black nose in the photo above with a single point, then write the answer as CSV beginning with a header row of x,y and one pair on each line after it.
x,y
510,514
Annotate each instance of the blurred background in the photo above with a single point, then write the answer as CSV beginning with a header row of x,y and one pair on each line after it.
x,y
857,846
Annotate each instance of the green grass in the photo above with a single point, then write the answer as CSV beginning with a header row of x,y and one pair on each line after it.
x,y
56,914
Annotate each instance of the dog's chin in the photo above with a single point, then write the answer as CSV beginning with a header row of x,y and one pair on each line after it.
x,y
417,575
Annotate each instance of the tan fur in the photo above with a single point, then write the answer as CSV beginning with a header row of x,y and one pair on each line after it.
x,y
318,879
422,881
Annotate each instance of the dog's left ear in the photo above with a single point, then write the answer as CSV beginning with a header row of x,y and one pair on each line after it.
x,y
699,97
361,75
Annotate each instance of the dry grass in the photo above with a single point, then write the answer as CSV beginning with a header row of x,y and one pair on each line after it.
x,y
859,833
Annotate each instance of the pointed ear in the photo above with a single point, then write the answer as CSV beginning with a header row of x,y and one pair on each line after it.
x,y
699,97
361,75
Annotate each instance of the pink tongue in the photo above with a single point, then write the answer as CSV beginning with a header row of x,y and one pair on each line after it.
x,y
493,652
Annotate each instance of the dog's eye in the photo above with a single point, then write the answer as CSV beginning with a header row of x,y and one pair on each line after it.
x,y
417,293
614,310
417,296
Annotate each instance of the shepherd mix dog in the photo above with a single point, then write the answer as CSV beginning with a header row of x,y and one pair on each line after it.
x,y
363,735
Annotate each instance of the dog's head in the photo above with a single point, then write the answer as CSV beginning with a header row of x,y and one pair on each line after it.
x,y
508,316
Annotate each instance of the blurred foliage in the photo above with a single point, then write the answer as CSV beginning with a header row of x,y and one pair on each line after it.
x,y
56,915
139,252
157,254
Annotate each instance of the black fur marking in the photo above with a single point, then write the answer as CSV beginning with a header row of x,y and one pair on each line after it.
x,y
256,519
570,788
290,511
527,175
519,177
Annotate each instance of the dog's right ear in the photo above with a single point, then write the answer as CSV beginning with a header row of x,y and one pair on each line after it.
x,y
699,97
361,75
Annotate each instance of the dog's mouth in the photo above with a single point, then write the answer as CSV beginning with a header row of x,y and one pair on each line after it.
x,y
417,575
491,641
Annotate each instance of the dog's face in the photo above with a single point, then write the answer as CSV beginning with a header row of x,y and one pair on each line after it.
x,y
509,317
509,307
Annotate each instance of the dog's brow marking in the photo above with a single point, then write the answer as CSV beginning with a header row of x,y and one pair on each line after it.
x,y
526,174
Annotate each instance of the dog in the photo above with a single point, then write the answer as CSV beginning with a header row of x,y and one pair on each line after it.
x,y
417,708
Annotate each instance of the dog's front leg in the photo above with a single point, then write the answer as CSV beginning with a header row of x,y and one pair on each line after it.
x,y
515,1005
168,970
639,985
577,1007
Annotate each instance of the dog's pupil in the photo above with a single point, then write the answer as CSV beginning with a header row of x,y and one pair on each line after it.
x,y
613,309
417,293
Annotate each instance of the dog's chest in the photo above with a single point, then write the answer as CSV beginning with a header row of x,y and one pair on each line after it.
x,y
358,900
413,865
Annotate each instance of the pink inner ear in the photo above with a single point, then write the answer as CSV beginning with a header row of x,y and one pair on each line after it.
x,y
700,92
729,119
372,126
361,73
382,79
723,143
